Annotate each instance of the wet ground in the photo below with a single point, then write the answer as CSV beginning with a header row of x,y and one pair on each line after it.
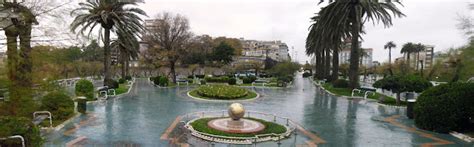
x,y
141,118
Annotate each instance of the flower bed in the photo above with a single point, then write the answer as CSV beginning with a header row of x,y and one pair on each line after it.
x,y
270,127
222,92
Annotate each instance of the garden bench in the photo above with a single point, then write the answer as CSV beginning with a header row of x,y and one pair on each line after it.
x,y
16,137
40,116
263,82
182,81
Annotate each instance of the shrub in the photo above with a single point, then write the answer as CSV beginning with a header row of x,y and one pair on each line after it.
x,y
85,88
203,82
223,79
114,84
403,83
59,104
306,74
286,79
249,79
190,77
445,108
122,80
222,92
163,81
200,76
232,81
340,83
128,78
19,126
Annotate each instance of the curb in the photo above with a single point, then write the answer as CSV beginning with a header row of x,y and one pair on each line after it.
x,y
462,136
62,125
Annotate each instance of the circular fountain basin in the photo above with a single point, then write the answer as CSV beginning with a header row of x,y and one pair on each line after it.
x,y
241,126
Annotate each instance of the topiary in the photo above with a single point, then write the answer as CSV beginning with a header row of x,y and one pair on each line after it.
x,y
203,82
85,88
247,80
163,81
128,78
445,108
340,83
232,81
59,104
19,126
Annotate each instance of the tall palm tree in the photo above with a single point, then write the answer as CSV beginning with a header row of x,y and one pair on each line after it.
x,y
355,13
127,49
112,16
389,46
417,49
322,39
407,49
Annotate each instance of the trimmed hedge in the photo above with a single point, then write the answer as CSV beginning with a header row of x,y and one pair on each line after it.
x,y
160,80
223,79
19,126
85,88
222,92
306,74
340,83
128,78
59,104
249,79
122,80
232,81
445,108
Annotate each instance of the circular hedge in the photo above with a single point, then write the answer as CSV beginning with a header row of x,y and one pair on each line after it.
x,y
445,108
223,92
200,125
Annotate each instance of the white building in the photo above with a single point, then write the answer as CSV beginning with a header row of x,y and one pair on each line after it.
x,y
366,60
276,50
423,59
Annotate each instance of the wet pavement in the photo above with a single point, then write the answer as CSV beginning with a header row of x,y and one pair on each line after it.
x,y
141,118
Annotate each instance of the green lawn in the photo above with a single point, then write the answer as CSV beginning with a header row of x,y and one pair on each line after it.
x,y
123,88
270,127
347,92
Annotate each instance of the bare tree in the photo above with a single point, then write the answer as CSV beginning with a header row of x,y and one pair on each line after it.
x,y
168,35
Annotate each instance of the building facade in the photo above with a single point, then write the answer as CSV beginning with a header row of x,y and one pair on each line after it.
x,y
275,50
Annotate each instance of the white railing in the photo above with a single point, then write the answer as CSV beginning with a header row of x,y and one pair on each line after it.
x,y
367,94
355,90
50,116
286,122
17,137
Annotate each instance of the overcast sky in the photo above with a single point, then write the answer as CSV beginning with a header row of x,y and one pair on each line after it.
x,y
431,22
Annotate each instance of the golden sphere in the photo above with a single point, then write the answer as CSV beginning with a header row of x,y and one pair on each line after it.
x,y
236,111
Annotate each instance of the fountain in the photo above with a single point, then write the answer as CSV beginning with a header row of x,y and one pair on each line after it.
x,y
236,124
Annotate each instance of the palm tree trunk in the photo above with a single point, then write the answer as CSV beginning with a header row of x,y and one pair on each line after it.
x,y
327,65
25,65
398,98
355,51
390,61
335,64
408,60
12,61
107,73
127,67
318,65
417,59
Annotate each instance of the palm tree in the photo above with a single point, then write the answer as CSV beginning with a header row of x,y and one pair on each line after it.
x,y
407,49
417,49
128,48
354,13
322,40
389,46
112,16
